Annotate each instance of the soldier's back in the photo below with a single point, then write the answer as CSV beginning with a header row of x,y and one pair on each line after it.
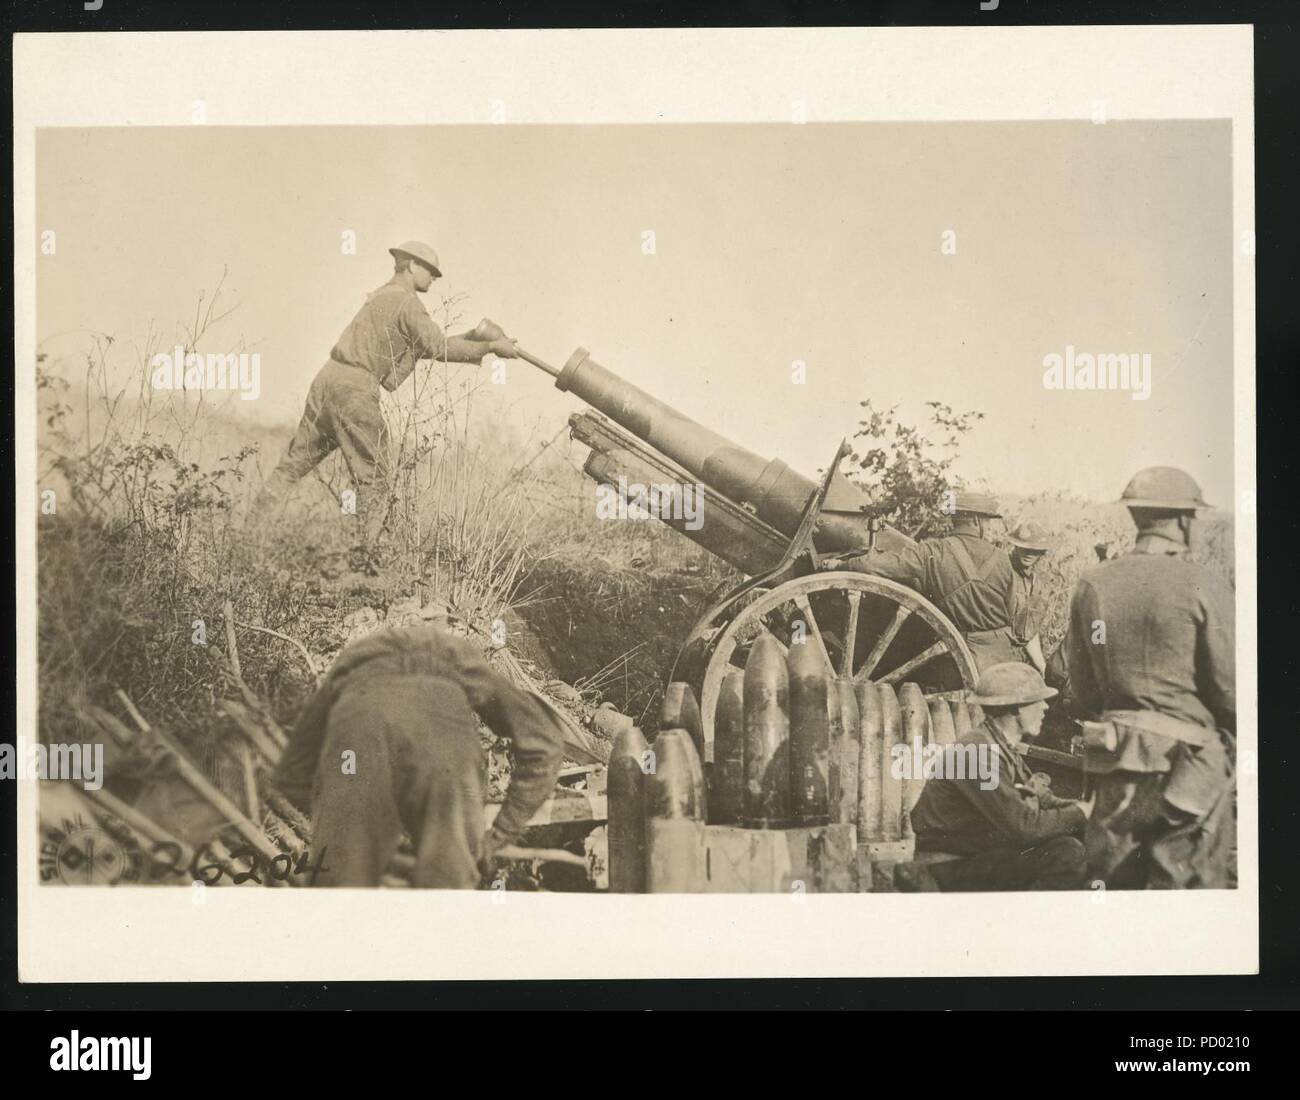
x,y
1150,621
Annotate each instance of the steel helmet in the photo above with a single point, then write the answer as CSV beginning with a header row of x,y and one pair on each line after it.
x,y
420,253
1029,536
1011,683
1164,487
975,504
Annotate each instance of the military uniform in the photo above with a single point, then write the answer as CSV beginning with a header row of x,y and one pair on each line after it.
x,y
404,700
381,347
1160,684
1014,836
968,578
1023,627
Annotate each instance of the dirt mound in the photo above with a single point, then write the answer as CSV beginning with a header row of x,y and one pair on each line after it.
x,y
612,632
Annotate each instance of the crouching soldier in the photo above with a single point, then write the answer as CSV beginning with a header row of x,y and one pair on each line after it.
x,y
389,743
996,828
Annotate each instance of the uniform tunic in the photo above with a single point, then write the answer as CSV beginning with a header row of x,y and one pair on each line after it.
x,y
1151,649
380,347
1024,623
392,332
404,701
957,815
968,578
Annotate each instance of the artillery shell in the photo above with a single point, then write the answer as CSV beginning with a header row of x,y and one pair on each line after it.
x,y
680,711
976,714
767,736
941,727
675,812
844,755
629,760
811,695
891,781
960,718
727,776
871,734
916,735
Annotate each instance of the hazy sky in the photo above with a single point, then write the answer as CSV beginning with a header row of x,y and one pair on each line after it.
x,y
773,243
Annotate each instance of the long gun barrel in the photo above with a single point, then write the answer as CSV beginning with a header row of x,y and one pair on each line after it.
x,y
777,494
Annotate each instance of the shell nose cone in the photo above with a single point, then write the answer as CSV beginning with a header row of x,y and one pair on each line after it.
x,y
675,789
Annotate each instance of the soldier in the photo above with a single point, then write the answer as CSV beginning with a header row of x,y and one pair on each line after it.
x,y
964,574
1015,835
390,334
1029,545
389,743
1150,650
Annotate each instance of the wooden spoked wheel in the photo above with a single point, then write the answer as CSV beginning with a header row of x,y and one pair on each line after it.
x,y
866,628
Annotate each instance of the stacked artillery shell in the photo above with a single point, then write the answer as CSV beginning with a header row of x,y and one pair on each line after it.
x,y
680,711
626,793
873,763
891,787
727,776
942,728
674,805
767,737
916,735
811,696
845,751
976,714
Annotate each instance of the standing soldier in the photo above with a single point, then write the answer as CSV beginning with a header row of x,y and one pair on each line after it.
x,y
1150,650
390,334
389,743
1006,832
963,574
1029,545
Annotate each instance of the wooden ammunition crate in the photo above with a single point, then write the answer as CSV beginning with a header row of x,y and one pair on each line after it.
x,y
821,859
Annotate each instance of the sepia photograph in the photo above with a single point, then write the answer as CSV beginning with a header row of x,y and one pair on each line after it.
x,y
577,497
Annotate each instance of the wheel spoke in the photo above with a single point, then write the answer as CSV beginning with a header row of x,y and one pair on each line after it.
x,y
882,644
814,630
924,657
851,634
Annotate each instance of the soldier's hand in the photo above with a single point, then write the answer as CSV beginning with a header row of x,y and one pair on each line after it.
x,y
503,349
487,331
829,565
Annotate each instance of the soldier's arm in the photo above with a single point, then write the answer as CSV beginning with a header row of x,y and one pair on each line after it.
x,y
1024,625
904,566
429,342
534,733
1049,801
1216,654
295,775
1026,818
1084,615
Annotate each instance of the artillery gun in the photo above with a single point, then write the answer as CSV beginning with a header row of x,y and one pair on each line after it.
x,y
774,526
